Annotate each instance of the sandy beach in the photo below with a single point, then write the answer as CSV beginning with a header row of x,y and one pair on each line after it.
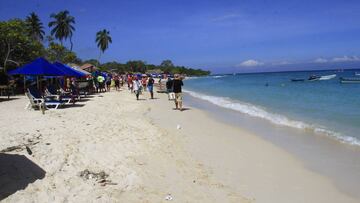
x,y
111,148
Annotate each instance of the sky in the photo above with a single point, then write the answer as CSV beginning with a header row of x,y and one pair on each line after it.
x,y
221,35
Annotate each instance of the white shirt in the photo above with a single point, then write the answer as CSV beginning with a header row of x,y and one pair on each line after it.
x,y
136,85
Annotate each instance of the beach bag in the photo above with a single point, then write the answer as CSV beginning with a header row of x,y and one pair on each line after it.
x,y
171,96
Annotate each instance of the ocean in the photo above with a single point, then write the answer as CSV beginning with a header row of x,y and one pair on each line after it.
x,y
324,107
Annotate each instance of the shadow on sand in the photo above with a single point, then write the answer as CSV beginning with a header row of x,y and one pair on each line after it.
x,y
71,106
183,109
6,99
16,173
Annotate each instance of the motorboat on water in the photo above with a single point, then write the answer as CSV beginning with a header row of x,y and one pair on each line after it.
x,y
350,80
314,77
327,77
357,74
324,77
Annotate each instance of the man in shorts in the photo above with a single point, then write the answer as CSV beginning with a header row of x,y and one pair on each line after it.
x,y
177,84
150,86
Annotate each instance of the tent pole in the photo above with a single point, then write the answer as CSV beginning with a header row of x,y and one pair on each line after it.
x,y
24,84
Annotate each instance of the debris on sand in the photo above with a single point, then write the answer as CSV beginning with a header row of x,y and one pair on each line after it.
x,y
20,148
100,177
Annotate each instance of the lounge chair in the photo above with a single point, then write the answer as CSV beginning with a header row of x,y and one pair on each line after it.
x,y
49,101
40,103
52,93
84,88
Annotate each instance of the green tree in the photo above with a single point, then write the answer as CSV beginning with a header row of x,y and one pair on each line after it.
x,y
136,66
103,39
62,26
16,45
35,27
92,61
57,52
167,63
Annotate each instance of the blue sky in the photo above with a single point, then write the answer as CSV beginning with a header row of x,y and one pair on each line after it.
x,y
218,35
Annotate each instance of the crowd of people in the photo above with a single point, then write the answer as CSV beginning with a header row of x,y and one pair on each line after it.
x,y
138,84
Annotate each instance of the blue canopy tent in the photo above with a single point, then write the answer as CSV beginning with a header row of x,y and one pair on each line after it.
x,y
69,71
38,67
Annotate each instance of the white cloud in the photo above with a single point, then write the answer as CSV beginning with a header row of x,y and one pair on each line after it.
x,y
346,58
225,17
281,63
320,60
251,63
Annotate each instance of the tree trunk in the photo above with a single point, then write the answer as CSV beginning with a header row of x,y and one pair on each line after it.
x,y
99,59
7,56
71,44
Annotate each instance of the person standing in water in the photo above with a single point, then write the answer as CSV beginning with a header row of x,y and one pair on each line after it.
x,y
177,84
150,86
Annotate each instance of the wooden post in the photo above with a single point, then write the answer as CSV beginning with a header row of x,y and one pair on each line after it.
x,y
24,84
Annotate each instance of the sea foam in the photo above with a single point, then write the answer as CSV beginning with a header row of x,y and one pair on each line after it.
x,y
259,112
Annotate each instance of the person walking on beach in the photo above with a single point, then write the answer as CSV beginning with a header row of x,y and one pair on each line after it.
x,y
101,80
150,86
108,82
136,87
143,82
169,85
130,82
117,82
177,84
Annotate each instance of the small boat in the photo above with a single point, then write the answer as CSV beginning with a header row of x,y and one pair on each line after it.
x,y
327,77
297,80
350,80
314,78
357,74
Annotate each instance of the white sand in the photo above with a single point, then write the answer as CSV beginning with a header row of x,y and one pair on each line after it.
x,y
109,133
138,144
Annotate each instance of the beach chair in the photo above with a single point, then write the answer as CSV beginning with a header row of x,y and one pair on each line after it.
x,y
63,92
83,88
39,103
51,92
47,101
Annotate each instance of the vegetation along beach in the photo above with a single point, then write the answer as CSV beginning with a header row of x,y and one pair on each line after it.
x,y
179,101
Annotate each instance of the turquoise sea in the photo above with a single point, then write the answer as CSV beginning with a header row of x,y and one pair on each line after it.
x,y
325,107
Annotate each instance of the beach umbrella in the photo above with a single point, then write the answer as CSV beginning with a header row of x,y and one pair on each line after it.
x,y
68,71
38,67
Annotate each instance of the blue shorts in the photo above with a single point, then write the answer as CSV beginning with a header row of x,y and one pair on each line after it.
x,y
150,88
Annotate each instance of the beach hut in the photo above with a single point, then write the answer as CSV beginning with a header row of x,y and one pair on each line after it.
x,y
88,67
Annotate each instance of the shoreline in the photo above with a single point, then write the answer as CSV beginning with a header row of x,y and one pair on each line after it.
x,y
138,144
221,153
321,154
277,119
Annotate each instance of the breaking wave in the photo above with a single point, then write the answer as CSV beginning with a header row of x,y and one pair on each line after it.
x,y
274,118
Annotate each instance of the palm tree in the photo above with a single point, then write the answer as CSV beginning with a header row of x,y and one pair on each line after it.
x,y
103,39
35,27
63,26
